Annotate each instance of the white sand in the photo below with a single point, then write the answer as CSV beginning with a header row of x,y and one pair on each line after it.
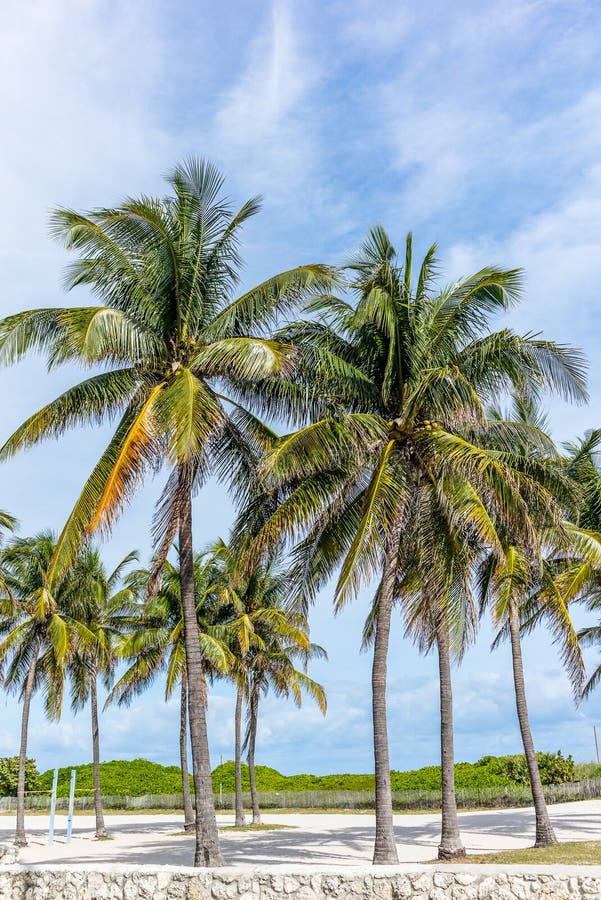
x,y
317,839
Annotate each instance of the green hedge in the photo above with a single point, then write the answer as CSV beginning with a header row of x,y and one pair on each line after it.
x,y
490,771
119,778
134,778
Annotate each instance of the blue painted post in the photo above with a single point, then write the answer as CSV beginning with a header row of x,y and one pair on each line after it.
x,y
71,805
53,807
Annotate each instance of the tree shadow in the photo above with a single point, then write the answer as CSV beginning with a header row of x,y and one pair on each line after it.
x,y
315,844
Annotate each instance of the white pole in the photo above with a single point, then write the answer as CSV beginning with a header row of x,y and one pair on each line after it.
x,y
71,804
53,807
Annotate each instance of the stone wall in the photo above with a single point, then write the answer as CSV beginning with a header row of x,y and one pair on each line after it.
x,y
401,883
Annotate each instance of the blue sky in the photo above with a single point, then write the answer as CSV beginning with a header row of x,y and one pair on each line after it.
x,y
474,124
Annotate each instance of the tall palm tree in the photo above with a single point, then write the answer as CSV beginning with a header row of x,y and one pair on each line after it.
x,y
180,348
155,645
243,613
408,367
102,609
510,580
35,639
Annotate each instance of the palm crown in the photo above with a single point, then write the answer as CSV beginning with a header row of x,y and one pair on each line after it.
x,y
155,644
178,343
37,637
425,365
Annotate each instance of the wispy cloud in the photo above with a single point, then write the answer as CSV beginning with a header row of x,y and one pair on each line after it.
x,y
262,120
484,108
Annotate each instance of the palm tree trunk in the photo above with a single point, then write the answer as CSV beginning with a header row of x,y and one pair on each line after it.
x,y
252,738
450,842
240,819
183,755
545,835
208,851
385,852
100,829
20,837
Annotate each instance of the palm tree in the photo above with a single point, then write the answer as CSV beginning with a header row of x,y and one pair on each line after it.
x,y
179,348
266,635
403,371
102,610
510,580
35,640
524,582
242,617
155,645
273,666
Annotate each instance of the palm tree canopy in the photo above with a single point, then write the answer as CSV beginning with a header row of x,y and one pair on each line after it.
x,y
35,624
104,608
405,373
541,579
155,644
176,342
580,577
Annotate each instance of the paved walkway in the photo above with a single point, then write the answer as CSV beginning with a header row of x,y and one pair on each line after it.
x,y
314,839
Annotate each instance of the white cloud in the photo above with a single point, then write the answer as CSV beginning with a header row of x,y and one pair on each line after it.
x,y
261,123
374,31
269,133
484,104
560,252
77,91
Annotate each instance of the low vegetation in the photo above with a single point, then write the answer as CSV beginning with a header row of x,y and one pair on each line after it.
x,y
570,853
140,777
120,778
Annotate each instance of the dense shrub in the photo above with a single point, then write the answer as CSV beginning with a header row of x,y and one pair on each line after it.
x,y
120,778
554,768
490,771
137,777
467,775
9,773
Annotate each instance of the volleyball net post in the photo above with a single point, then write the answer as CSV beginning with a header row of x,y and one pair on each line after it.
x,y
71,805
52,808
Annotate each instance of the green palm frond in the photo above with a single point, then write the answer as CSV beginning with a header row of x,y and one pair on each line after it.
x,y
245,358
89,402
274,297
382,498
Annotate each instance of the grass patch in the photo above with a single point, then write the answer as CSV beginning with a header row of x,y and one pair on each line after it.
x,y
568,853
